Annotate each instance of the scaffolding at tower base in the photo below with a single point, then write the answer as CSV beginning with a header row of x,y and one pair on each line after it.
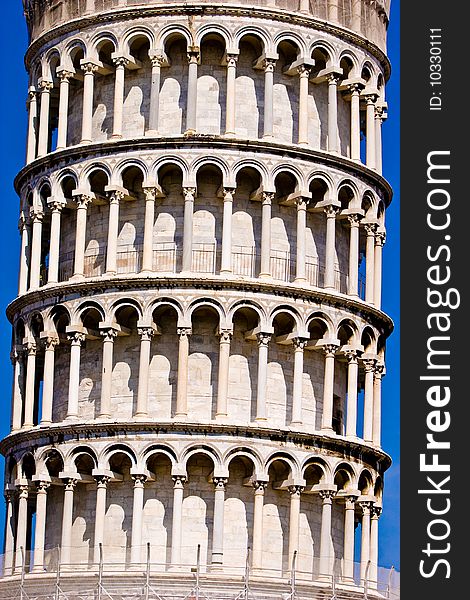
x,y
185,582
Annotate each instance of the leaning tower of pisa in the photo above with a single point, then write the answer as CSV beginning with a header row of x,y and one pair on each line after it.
x,y
198,342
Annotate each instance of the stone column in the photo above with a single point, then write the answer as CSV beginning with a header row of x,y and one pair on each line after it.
x,y
137,512
189,195
304,6
325,534
299,347
355,90
44,118
80,235
300,276
182,383
56,207
22,523
348,550
370,130
377,410
351,408
263,345
257,554
154,112
265,267
225,337
369,368
370,252
149,221
37,216
100,514
177,520
30,349
16,357
333,140
50,343
24,228
268,97
328,386
120,62
113,230
226,260
330,246
304,74
32,118
9,533
65,77
379,243
365,539
191,105
379,118
67,521
89,69
76,339
146,335
40,530
294,522
218,523
374,546
109,334
231,94
353,277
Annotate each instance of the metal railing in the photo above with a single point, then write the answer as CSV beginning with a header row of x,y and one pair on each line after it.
x,y
119,579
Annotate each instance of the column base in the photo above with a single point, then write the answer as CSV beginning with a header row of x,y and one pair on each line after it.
x,y
221,416
180,417
77,277
151,133
45,423
116,136
261,420
265,276
328,430
141,417
110,273
190,132
230,134
301,281
226,272
85,142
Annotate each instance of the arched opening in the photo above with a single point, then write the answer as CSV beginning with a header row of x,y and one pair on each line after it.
x,y
276,518
207,221
316,234
136,108
203,364
174,86
286,94
103,98
131,222
280,370
44,195
318,99
37,328
314,364
211,86
283,227
67,229
97,225
249,114
168,223
246,253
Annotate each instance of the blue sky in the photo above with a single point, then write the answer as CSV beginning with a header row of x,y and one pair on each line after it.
x,y
13,40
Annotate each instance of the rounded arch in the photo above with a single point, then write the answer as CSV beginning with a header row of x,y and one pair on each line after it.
x,y
100,40
75,453
50,461
214,29
112,449
346,54
58,318
316,470
214,162
344,477
166,161
88,172
323,53
292,170
123,303
61,186
171,31
293,38
285,310
247,304
206,303
160,303
320,319
321,186
27,465
154,450
133,33
288,459
257,32
369,340
50,59
73,48
348,191
243,452
78,314
126,163
365,483
347,332
369,204
368,72
251,164
208,451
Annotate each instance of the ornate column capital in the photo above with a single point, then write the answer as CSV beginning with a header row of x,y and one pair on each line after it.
x,y
366,506
327,495
150,194
267,198
22,490
116,196
354,219
352,355
220,482
32,94
36,214
356,87
375,512
331,210
30,347
304,71
158,60
295,490
194,56
370,98
23,222
64,75
102,480
370,229
70,483
263,339
330,349
259,485
139,479
179,481
232,60
299,344
379,370
333,78
46,85
120,61
350,502
225,336
83,200
369,364
108,334
380,238
189,194
56,205
89,67
228,194
42,486
184,332
76,338
269,64
146,333
50,342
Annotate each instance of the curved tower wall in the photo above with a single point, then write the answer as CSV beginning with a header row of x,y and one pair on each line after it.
x,y
198,341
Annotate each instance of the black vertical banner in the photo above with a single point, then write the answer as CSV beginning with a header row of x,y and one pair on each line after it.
x,y
435,259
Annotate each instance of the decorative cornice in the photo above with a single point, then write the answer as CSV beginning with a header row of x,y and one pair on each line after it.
x,y
186,9
59,292
146,144
62,432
